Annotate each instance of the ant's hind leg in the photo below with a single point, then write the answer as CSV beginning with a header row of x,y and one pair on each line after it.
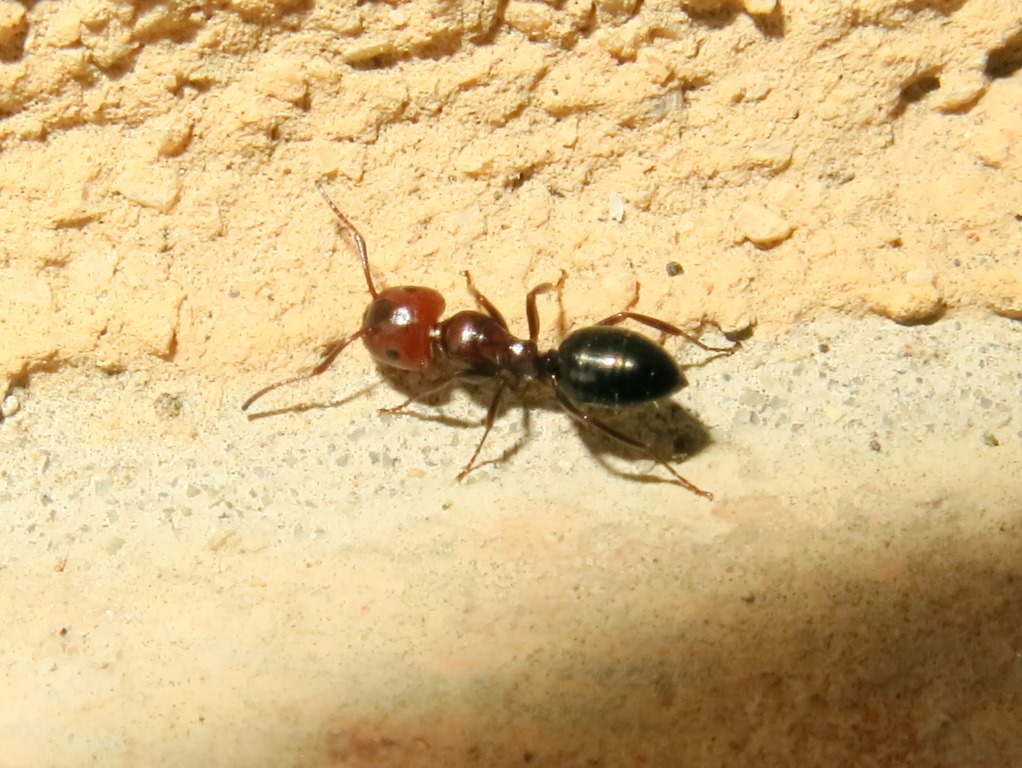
x,y
668,329
587,420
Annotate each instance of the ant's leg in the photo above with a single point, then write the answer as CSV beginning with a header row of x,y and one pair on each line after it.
x,y
491,414
530,305
584,418
667,328
328,358
420,396
482,301
332,352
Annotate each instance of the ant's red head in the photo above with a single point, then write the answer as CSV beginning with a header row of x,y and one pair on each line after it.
x,y
398,326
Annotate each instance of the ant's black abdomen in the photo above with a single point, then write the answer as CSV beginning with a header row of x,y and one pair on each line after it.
x,y
605,365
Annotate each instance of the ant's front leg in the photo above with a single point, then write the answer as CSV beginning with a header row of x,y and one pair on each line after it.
x,y
329,356
484,303
419,396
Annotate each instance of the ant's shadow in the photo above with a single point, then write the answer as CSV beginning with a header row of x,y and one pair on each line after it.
x,y
668,431
664,427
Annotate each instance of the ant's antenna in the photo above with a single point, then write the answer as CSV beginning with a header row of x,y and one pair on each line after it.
x,y
359,242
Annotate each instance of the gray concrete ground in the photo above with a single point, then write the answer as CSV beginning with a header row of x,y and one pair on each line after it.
x,y
311,587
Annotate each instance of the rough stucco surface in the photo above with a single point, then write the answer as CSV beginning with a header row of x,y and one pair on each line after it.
x,y
838,183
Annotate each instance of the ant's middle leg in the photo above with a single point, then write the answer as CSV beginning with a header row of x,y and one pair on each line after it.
x,y
491,415
585,419
530,305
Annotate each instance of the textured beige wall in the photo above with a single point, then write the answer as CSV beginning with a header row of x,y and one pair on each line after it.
x,y
182,586
159,160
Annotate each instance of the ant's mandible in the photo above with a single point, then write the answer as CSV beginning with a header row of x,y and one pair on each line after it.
x,y
600,365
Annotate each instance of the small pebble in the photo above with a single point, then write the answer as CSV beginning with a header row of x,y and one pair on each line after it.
x,y
11,406
774,155
114,544
959,90
12,21
752,398
369,48
911,303
920,276
995,140
252,544
761,226
149,186
168,406
219,539
616,207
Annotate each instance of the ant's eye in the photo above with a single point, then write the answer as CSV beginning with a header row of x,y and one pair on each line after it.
x,y
393,355
379,312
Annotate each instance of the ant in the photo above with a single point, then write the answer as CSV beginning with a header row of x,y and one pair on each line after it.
x,y
599,365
